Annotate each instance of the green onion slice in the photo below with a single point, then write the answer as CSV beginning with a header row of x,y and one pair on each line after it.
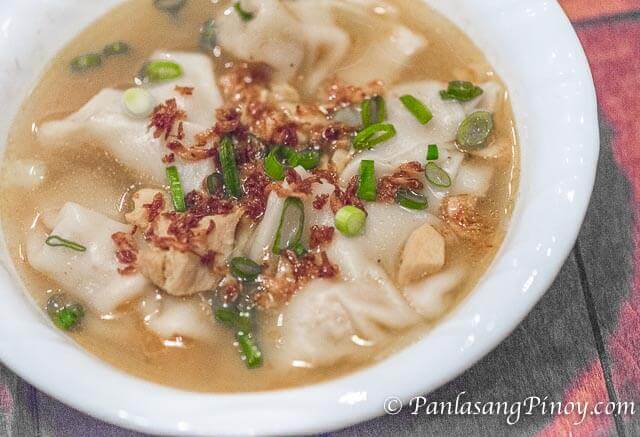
x,y
417,108
169,5
64,314
208,37
291,225
350,220
230,174
116,48
474,131
367,188
244,15
272,164
308,159
462,91
86,62
215,184
249,349
226,315
162,71
432,152
138,102
436,175
411,199
373,110
372,135
57,241
177,193
244,269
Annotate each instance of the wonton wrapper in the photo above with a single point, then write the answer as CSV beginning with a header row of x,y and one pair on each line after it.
x,y
104,122
91,276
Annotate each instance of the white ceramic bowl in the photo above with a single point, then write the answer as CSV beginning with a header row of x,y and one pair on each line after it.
x,y
535,50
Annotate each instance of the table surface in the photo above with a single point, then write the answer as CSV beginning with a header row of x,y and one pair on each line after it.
x,y
581,343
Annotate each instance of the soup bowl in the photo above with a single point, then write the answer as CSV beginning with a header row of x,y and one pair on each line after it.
x,y
535,50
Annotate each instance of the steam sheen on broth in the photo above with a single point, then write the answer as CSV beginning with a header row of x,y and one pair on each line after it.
x,y
161,292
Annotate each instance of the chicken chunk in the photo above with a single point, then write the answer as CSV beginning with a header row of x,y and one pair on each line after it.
x,y
193,268
423,255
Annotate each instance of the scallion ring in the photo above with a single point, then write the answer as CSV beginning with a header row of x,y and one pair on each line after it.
x,y
367,187
162,71
350,220
372,135
249,349
86,62
373,110
65,314
116,48
462,91
436,175
273,166
432,152
230,174
57,241
411,199
244,269
417,108
138,102
308,159
244,15
474,131
177,193
291,225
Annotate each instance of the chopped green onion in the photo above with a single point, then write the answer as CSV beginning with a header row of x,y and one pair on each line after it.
x,y
244,15
138,102
272,165
227,316
215,184
65,315
367,188
410,199
350,220
249,349
230,174
462,91
241,323
417,108
308,159
291,225
169,5
474,131
432,152
244,269
161,71
177,193
86,62
436,175
299,249
57,241
372,135
116,48
373,110
208,37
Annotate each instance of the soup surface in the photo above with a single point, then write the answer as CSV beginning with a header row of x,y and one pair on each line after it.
x,y
347,170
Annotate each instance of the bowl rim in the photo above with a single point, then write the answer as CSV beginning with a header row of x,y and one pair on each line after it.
x,y
466,335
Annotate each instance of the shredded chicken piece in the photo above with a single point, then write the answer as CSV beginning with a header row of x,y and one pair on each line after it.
x,y
423,255
461,214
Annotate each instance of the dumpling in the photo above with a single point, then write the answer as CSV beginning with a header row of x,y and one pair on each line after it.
x,y
170,317
430,296
392,51
91,276
280,34
103,122
330,320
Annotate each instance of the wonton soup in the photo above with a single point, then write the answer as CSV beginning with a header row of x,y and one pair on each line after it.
x,y
236,196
